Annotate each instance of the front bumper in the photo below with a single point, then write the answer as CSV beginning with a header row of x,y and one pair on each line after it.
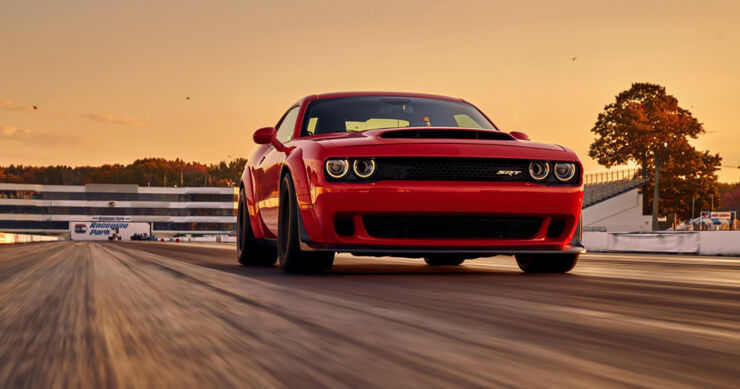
x,y
326,202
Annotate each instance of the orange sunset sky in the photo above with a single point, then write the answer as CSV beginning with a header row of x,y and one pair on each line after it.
x,y
110,78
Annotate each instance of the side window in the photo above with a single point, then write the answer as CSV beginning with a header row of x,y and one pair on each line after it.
x,y
287,125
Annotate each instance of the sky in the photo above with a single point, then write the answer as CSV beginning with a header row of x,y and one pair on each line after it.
x,y
110,79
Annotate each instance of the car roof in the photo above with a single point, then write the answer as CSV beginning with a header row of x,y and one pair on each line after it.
x,y
379,93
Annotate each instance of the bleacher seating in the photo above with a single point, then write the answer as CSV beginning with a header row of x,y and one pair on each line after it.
x,y
600,187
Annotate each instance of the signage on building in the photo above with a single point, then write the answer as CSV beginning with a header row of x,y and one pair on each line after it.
x,y
106,230
719,215
111,218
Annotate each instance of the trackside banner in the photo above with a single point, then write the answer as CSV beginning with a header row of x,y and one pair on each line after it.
x,y
106,230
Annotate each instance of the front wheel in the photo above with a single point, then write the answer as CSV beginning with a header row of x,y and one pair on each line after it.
x,y
546,263
292,259
250,251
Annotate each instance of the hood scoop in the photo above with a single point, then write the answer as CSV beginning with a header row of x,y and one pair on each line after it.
x,y
419,133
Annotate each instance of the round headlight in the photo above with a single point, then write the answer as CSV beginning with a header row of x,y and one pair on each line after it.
x,y
539,170
337,168
364,168
564,171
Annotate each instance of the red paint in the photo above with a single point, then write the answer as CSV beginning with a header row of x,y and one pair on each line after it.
x,y
264,135
519,135
321,200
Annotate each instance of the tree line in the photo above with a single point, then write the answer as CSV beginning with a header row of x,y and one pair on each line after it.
x,y
142,172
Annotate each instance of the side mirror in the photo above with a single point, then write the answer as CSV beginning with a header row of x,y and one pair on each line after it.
x,y
515,134
264,135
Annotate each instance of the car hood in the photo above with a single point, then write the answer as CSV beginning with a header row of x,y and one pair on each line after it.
x,y
433,136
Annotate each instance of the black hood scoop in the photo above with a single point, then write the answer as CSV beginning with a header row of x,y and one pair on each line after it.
x,y
433,133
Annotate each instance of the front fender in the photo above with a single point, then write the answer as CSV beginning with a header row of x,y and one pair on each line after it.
x,y
295,164
247,183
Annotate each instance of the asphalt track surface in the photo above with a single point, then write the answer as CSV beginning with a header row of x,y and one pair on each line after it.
x,y
120,314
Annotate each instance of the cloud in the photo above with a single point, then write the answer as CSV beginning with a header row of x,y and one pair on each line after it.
x,y
34,138
108,118
7,104
18,108
10,132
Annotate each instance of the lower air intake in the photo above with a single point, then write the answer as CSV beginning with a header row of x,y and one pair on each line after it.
x,y
452,227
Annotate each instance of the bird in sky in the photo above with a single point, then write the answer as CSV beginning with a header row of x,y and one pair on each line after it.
x,y
187,97
574,58
35,107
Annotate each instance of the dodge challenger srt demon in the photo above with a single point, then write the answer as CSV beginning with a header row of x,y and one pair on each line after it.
x,y
405,174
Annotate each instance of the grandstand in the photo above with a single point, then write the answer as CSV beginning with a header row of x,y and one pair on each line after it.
x,y
57,209
612,202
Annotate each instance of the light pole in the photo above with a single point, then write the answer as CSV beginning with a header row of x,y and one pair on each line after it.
x,y
656,190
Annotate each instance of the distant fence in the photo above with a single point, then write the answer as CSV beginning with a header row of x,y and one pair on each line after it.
x,y
612,176
24,238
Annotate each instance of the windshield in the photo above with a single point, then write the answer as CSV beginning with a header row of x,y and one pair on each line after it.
x,y
346,114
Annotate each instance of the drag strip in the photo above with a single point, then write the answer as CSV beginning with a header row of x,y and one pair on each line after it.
x,y
167,315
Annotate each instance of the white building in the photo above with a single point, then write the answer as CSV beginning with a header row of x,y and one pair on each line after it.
x,y
168,211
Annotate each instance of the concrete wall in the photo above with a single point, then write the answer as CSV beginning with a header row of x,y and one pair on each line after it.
x,y
700,242
719,243
621,213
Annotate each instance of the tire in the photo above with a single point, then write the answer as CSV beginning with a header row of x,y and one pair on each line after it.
x,y
546,263
290,256
250,251
444,260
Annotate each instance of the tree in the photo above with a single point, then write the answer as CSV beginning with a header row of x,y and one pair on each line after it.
x,y
647,126
730,196
689,181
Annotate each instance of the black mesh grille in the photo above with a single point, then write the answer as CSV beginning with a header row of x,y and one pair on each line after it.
x,y
452,169
452,227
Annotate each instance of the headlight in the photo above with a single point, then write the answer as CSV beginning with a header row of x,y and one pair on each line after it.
x,y
364,168
337,168
564,171
539,170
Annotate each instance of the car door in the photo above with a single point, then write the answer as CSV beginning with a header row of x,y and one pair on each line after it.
x,y
267,173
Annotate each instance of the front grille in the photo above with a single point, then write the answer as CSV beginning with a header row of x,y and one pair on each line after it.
x,y
452,169
452,227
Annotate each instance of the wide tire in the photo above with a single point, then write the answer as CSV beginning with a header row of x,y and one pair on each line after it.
x,y
250,251
444,260
546,263
292,259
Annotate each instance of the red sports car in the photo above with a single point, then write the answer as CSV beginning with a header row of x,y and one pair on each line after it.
x,y
405,174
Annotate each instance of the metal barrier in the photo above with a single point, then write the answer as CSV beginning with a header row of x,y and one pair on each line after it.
x,y
611,176
603,185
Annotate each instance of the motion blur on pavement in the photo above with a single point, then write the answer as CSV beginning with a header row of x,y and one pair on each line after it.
x,y
85,314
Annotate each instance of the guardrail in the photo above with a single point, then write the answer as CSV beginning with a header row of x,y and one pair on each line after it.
x,y
611,176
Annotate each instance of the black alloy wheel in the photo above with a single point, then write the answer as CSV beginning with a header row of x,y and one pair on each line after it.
x,y
292,259
249,250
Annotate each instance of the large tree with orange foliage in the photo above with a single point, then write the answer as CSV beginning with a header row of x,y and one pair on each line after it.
x,y
645,125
